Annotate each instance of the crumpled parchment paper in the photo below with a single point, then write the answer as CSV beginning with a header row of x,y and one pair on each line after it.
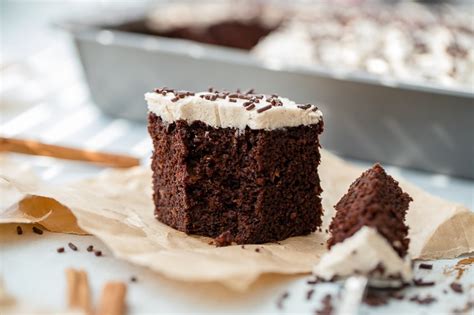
x,y
116,206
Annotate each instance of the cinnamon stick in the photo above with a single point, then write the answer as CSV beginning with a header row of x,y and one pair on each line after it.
x,y
79,296
112,301
33,147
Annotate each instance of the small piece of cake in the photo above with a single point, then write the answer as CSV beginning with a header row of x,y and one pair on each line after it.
x,y
373,200
242,164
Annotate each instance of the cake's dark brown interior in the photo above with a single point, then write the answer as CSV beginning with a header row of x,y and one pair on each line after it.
x,y
259,185
235,34
375,199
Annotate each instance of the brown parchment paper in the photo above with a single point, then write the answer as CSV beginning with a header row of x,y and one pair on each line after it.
x,y
116,206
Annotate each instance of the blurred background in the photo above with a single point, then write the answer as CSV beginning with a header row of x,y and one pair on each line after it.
x,y
394,79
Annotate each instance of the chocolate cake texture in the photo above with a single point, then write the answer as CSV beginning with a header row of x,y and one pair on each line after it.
x,y
236,175
375,200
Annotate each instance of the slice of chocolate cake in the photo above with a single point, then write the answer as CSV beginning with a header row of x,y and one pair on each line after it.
x,y
373,200
236,163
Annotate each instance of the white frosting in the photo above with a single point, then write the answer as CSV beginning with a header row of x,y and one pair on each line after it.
x,y
411,43
222,113
361,254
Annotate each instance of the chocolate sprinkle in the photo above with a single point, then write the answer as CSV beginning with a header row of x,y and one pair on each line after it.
x,y
19,230
175,99
423,301
37,230
257,250
72,246
309,294
264,108
425,266
133,279
98,253
315,281
456,287
90,248
282,298
374,298
250,107
327,308
232,100
422,283
60,250
304,107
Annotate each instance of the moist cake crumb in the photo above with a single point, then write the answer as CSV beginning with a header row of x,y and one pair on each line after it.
x,y
249,176
375,200
225,239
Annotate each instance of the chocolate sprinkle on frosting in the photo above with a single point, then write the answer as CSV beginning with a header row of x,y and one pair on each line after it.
x,y
252,99
304,107
60,250
90,248
19,230
264,108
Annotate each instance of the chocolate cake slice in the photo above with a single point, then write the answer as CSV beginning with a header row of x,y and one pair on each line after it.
x,y
376,200
242,165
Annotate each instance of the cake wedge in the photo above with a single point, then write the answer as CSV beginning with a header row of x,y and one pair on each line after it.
x,y
375,200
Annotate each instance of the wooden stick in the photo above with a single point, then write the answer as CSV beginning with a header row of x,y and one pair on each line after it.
x,y
79,296
37,148
112,301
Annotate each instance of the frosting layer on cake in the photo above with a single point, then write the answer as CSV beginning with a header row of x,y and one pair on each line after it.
x,y
231,110
366,252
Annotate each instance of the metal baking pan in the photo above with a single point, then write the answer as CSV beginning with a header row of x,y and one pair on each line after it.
x,y
418,126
